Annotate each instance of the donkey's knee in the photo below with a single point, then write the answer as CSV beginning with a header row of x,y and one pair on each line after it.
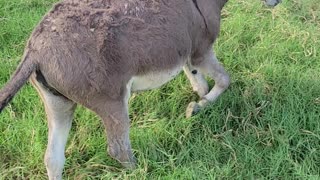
x,y
197,80
223,80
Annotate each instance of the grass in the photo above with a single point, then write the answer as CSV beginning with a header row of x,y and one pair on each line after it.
x,y
265,126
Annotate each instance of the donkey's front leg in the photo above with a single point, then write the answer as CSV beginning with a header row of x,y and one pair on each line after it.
x,y
210,66
198,82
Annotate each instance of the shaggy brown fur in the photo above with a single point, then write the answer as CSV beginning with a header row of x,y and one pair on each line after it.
x,y
88,51
95,52
103,42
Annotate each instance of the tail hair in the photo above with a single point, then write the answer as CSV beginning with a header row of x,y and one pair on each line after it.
x,y
19,78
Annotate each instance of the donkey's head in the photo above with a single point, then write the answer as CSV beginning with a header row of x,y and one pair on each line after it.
x,y
272,3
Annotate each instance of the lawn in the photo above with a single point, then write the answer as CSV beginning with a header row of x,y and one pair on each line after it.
x,y
265,126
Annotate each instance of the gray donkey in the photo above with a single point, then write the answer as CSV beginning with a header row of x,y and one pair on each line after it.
x,y
96,52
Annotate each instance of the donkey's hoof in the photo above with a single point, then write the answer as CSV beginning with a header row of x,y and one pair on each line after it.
x,y
126,158
192,109
130,165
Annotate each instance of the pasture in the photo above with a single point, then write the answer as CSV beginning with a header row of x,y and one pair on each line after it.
x,y
265,126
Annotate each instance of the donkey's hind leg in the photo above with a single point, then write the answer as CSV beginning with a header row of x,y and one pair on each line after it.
x,y
115,117
117,124
59,112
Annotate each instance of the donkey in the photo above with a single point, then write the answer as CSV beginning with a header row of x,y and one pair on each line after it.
x,y
96,52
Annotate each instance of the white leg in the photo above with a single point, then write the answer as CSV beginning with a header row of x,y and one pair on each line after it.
x,y
211,67
59,118
214,69
197,80
59,113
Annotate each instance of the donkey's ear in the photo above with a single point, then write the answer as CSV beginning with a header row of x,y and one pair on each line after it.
x,y
272,3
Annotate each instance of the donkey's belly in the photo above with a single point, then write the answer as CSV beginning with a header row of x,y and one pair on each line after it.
x,y
154,79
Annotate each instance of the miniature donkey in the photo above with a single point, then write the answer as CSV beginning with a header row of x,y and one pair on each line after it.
x,y
96,52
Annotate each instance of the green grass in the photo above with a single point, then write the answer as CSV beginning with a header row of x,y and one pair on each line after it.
x,y
265,126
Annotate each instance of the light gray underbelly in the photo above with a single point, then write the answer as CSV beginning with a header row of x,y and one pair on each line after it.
x,y
154,79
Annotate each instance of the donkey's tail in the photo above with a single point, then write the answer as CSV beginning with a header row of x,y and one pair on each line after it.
x,y
19,78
